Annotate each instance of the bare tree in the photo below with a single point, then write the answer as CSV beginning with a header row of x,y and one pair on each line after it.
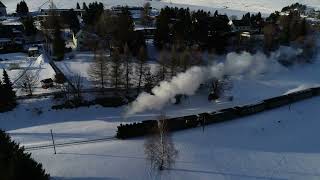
x,y
174,62
145,15
28,82
77,82
185,60
162,67
149,80
98,70
218,88
127,59
142,66
159,147
116,70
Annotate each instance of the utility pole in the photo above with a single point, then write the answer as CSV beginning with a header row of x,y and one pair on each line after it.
x,y
54,146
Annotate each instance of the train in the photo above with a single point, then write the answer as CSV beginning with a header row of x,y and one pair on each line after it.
x,y
192,121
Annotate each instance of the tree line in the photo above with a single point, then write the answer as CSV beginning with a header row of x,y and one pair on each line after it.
x,y
183,27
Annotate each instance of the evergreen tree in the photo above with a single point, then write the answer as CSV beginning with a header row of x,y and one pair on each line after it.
x,y
216,13
29,27
78,6
22,8
2,95
16,164
124,32
71,18
84,6
162,28
58,41
92,13
7,88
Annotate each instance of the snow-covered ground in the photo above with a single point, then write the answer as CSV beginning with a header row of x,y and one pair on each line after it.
x,y
278,144
274,145
17,64
230,7
30,128
81,62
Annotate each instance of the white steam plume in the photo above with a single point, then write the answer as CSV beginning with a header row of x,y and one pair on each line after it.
x,y
188,82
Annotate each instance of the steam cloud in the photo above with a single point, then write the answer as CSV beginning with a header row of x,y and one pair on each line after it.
x,y
188,82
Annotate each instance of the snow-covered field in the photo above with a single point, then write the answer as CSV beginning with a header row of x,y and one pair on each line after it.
x,y
17,64
230,7
279,144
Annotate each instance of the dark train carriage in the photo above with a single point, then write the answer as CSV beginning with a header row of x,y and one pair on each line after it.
x,y
204,118
149,124
180,123
220,116
229,113
251,109
300,95
316,91
136,129
175,124
276,102
191,121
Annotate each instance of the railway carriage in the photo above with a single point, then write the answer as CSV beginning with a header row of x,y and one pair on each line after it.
x,y
276,102
300,95
251,109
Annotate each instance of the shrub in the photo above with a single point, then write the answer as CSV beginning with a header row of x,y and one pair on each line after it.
x,y
15,164
59,78
111,101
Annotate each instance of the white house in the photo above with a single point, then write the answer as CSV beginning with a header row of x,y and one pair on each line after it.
x,y
240,25
86,41
3,9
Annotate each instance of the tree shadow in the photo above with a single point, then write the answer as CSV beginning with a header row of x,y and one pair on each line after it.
x,y
85,178
224,174
103,155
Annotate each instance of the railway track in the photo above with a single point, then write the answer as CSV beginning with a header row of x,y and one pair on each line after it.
x,y
65,144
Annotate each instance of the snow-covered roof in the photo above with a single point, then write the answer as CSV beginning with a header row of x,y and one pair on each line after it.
x,y
82,32
33,49
2,5
5,40
138,28
11,22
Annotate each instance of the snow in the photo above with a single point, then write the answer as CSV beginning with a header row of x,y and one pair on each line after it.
x,y
277,144
274,145
80,64
38,65
224,6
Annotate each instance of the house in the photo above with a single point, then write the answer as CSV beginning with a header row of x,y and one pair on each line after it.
x,y
60,12
148,32
240,25
86,41
46,83
3,9
33,52
5,42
